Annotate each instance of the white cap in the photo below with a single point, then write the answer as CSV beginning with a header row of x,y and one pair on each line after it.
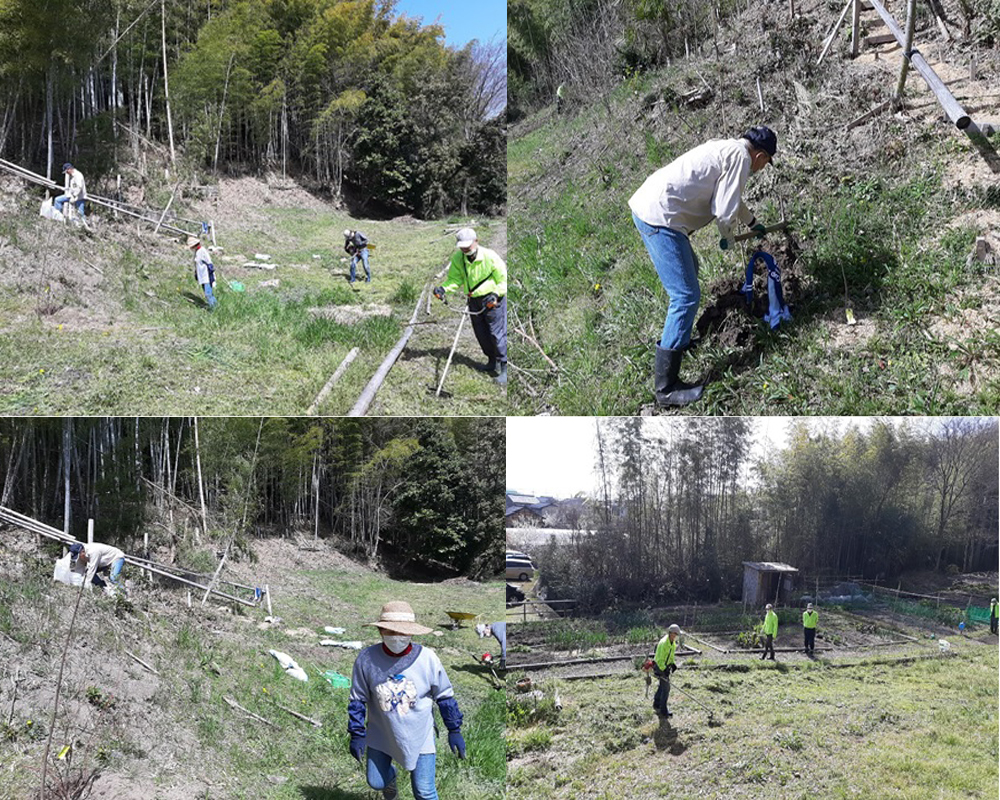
x,y
192,241
768,606
674,629
465,237
347,234
808,606
481,630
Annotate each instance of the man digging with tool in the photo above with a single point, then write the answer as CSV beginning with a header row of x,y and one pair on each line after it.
x,y
399,682
356,246
482,275
75,192
97,557
499,632
663,665
770,631
705,183
809,620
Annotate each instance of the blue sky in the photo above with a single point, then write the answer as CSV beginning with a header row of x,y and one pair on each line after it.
x,y
483,19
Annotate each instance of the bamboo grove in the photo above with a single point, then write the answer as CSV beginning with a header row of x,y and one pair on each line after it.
x,y
420,495
368,103
681,504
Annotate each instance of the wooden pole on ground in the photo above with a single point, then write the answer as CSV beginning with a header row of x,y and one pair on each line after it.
x,y
333,379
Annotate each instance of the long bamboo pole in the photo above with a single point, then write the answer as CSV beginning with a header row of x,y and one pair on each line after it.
x,y
947,100
444,372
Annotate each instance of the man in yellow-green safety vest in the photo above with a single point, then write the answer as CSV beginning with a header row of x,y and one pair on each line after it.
x,y
663,665
770,631
993,615
481,275
809,620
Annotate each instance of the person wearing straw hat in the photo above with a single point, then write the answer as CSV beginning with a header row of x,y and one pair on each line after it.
x,y
809,620
204,270
98,558
395,684
356,246
482,276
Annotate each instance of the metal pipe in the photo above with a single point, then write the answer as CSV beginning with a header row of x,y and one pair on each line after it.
x,y
947,100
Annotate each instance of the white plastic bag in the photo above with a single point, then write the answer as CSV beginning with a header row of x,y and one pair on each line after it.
x,y
65,574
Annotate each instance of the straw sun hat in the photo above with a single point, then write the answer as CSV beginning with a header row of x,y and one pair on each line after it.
x,y
398,617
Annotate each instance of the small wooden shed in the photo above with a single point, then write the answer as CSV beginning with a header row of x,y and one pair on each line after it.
x,y
766,582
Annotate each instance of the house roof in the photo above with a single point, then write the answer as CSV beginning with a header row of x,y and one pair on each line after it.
x,y
769,566
522,499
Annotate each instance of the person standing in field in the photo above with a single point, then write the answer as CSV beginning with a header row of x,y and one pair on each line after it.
x,y
809,620
204,270
770,631
664,664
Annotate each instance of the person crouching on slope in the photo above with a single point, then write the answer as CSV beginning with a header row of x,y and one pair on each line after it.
x,y
397,683
705,183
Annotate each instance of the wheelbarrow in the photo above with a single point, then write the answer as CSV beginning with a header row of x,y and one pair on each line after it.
x,y
458,616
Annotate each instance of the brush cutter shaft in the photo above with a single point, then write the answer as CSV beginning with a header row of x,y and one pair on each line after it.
x,y
781,226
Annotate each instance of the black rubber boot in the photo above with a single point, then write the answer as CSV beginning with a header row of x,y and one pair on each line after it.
x,y
669,390
501,377
489,366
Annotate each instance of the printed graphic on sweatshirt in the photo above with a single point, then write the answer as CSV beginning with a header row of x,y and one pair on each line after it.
x,y
397,694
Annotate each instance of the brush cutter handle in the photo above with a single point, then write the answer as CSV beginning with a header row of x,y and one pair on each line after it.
x,y
755,233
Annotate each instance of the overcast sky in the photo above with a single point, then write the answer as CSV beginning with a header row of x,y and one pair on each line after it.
x,y
555,455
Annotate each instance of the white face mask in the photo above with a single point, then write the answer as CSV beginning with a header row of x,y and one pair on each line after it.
x,y
396,644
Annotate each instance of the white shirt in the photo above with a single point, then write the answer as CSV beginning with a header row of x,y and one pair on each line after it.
x,y
99,556
705,183
202,261
76,187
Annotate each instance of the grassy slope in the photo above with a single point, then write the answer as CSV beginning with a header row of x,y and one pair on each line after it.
x,y
868,210
137,339
926,729
175,738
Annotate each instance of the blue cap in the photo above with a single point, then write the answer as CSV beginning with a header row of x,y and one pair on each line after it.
x,y
67,166
763,138
74,551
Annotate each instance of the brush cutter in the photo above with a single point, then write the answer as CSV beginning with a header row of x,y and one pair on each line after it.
x,y
711,714
465,313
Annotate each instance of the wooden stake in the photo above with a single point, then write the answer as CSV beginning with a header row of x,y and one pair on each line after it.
x,y
833,32
302,717
333,379
856,29
136,658
911,21
267,595
247,711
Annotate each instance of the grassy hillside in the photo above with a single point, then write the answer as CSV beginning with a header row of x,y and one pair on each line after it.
x,y
882,219
114,322
171,736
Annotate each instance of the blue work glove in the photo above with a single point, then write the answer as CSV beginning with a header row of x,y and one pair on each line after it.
x,y
491,300
759,229
456,743
723,244
358,746
439,292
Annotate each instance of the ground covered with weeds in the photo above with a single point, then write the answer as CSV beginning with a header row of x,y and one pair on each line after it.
x,y
868,725
126,733
112,321
882,220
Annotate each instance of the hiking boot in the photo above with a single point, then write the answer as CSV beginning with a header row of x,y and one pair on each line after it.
x,y
668,389
390,792
501,377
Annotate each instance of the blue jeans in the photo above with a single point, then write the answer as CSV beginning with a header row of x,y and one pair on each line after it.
x,y
114,571
209,295
381,773
363,255
60,201
677,266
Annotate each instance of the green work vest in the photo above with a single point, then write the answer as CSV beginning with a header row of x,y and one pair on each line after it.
x,y
665,650
488,273
771,624
809,619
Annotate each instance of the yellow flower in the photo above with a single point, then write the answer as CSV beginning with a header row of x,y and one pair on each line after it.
x,y
41,372
59,328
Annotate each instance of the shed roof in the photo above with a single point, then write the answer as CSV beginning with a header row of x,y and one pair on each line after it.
x,y
769,566
522,499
